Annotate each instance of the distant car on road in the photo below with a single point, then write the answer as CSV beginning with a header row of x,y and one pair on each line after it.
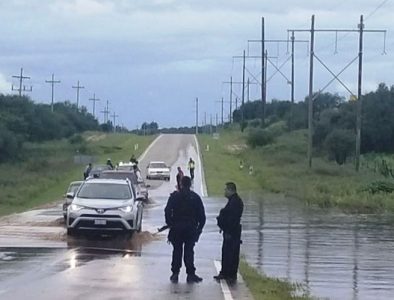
x,y
72,189
105,206
158,170
139,187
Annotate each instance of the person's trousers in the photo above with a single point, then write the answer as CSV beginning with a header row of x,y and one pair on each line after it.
x,y
230,254
183,248
192,173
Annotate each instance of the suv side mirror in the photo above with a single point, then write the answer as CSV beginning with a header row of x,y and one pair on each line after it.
x,y
70,195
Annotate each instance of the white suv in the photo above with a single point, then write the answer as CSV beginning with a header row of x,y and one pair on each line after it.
x,y
104,205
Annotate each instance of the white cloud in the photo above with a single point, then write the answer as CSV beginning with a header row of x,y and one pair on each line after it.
x,y
82,7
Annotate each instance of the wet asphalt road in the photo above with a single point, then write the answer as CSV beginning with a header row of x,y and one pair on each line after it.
x,y
38,261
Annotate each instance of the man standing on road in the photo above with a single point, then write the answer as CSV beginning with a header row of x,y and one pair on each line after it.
x,y
229,221
87,171
191,166
185,215
179,177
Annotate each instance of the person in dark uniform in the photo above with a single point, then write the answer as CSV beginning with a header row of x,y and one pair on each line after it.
x,y
109,163
185,215
179,177
229,222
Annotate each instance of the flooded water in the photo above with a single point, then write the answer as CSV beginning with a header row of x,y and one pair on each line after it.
x,y
334,255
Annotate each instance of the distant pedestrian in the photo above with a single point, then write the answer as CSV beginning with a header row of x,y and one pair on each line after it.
x,y
87,171
191,166
179,177
109,163
185,215
241,165
133,159
229,222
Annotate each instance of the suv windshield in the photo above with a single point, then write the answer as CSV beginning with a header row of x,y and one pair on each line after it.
x,y
158,166
120,175
105,191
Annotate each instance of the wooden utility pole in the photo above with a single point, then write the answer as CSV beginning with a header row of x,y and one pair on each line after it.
x,y
196,116
292,83
310,100
359,95
52,82
243,94
21,88
263,73
94,99
78,87
114,116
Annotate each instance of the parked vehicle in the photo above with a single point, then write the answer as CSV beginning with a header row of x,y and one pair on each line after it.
x,y
105,206
139,187
158,170
72,188
97,170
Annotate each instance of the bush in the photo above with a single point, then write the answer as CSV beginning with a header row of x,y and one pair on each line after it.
x,y
340,144
259,137
76,139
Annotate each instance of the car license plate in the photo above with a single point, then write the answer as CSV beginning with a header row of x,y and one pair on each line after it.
x,y
100,222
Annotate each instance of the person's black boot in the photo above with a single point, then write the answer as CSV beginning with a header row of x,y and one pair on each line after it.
x,y
174,278
220,276
193,278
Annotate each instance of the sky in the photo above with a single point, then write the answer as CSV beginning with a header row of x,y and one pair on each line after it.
x,y
151,58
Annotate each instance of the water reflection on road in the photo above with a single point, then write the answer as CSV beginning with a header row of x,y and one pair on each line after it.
x,y
334,255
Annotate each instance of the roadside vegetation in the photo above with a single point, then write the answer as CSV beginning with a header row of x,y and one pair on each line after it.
x,y
262,287
278,155
44,171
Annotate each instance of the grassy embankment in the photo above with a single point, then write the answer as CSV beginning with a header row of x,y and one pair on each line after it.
x,y
281,167
50,168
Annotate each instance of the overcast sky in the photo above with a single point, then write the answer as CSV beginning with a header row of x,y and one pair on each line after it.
x,y
150,59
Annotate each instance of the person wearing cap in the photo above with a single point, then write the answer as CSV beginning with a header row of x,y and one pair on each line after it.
x,y
185,216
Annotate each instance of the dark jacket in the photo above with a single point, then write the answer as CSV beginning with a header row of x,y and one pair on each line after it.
x,y
229,218
185,215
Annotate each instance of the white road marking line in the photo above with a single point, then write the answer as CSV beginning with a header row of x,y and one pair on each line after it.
x,y
142,156
225,289
204,192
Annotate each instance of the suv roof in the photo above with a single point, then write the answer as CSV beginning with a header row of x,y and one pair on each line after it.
x,y
104,180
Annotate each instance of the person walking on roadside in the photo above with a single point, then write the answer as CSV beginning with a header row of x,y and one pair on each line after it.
x,y
191,166
87,171
229,222
185,216
179,177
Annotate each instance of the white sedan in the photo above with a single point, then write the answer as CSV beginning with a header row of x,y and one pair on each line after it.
x,y
158,170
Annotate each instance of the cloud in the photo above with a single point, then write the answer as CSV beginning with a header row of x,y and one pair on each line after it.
x,y
82,7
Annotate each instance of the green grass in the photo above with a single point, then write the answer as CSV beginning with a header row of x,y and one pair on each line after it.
x,y
45,175
266,288
281,167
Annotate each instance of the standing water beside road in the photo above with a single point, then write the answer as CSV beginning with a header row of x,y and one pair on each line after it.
x,y
332,254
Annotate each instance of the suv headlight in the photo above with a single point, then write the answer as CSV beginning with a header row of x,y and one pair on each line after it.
x,y
126,209
75,207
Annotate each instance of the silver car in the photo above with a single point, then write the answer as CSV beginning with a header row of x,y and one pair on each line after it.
x,y
105,206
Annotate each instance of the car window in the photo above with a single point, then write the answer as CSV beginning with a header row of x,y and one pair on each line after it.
x,y
73,187
105,191
157,165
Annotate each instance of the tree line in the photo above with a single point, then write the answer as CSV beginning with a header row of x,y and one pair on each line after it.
x,y
334,121
22,120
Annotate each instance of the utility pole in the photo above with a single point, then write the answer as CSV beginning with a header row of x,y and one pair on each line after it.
x,y
210,124
310,100
52,82
313,56
263,73
106,113
231,99
222,110
94,99
197,116
248,89
359,95
292,82
114,116
21,89
78,87
243,94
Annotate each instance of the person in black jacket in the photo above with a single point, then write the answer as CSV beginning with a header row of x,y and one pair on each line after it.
x,y
185,215
229,222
